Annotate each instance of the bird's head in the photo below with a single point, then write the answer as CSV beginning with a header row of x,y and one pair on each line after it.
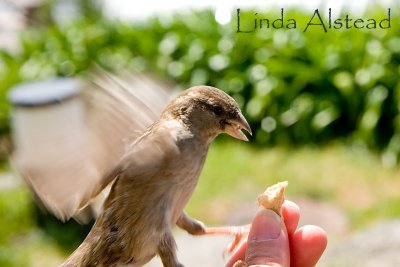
x,y
209,111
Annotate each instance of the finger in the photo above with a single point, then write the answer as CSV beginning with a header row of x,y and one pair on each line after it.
x,y
291,215
307,245
268,242
238,255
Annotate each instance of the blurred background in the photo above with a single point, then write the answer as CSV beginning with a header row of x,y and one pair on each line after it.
x,y
324,109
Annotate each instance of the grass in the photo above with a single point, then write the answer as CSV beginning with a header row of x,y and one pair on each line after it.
x,y
235,172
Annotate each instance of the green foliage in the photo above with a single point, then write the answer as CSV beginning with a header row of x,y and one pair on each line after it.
x,y
21,241
68,235
15,214
295,87
15,207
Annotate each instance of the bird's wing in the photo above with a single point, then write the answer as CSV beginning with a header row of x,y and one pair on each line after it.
x,y
117,111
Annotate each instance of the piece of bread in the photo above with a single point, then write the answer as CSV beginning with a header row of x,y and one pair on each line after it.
x,y
273,197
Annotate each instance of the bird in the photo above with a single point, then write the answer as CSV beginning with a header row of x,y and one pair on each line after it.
x,y
147,151
155,178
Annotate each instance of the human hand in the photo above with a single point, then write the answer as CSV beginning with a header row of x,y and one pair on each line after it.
x,y
278,243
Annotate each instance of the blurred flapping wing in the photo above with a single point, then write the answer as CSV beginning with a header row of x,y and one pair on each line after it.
x,y
117,111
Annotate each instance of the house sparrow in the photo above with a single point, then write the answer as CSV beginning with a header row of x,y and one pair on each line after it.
x,y
155,178
150,155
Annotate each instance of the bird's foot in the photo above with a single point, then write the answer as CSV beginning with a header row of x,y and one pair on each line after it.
x,y
195,227
240,263
239,232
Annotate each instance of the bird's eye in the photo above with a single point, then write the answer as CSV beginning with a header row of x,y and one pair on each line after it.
x,y
217,110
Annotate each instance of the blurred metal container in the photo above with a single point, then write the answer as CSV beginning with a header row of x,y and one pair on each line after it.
x,y
47,121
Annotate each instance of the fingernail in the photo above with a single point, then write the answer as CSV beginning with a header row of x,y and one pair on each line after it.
x,y
266,225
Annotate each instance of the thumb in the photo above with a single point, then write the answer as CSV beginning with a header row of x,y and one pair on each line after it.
x,y
268,242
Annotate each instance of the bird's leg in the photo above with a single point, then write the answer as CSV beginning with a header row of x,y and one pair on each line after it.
x,y
167,251
238,231
195,227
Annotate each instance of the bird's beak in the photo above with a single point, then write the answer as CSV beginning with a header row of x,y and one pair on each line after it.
x,y
234,127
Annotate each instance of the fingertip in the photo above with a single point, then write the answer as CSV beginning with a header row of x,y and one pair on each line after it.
x,y
266,225
315,234
290,203
291,207
291,215
307,245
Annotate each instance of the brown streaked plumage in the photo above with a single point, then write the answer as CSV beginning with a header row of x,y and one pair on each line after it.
x,y
153,181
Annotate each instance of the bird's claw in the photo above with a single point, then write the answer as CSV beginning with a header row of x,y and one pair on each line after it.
x,y
240,263
239,233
